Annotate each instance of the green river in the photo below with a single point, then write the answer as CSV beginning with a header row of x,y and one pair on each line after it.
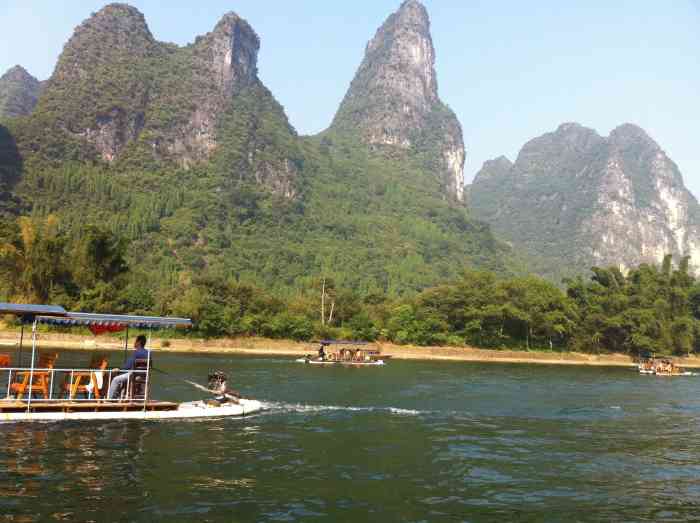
x,y
411,441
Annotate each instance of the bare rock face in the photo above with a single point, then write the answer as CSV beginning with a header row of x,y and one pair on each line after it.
x,y
393,99
224,63
643,209
10,162
19,92
574,199
230,52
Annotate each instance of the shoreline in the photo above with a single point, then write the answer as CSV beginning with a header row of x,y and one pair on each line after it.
x,y
269,347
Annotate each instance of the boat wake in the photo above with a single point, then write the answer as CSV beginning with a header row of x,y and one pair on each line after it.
x,y
273,406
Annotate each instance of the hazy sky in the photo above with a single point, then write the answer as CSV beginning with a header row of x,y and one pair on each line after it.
x,y
510,70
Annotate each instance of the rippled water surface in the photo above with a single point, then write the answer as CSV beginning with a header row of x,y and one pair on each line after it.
x,y
413,441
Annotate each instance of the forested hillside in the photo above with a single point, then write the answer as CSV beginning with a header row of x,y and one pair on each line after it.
x,y
183,161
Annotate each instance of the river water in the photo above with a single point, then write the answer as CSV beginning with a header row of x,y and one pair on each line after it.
x,y
412,441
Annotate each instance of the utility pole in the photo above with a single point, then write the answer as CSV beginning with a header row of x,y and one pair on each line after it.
x,y
323,302
330,314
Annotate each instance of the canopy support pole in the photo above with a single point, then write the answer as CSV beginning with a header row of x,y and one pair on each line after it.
x,y
126,344
148,371
31,370
21,339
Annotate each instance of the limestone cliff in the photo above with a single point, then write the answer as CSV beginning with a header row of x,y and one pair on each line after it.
x,y
19,92
393,100
574,199
138,100
224,62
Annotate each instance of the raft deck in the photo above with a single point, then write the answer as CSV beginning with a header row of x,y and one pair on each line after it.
x,y
84,406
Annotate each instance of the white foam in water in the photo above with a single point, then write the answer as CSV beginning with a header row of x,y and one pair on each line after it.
x,y
405,412
304,408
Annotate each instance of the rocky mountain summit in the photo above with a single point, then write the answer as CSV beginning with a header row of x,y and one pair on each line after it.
x,y
393,100
575,199
19,92
129,96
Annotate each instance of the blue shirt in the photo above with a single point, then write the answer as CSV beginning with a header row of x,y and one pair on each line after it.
x,y
139,354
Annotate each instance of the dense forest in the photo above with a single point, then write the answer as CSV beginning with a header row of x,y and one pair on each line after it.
x,y
352,207
648,309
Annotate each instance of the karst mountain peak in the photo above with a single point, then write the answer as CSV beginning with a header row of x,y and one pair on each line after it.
x,y
19,92
575,199
393,99
17,72
233,46
129,96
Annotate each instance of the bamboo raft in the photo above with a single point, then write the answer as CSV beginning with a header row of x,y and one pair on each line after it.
x,y
84,406
23,384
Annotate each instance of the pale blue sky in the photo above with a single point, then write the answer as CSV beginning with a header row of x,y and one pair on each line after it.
x,y
511,70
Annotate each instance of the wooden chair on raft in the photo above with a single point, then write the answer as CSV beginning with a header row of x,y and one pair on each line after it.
x,y
89,383
40,378
136,388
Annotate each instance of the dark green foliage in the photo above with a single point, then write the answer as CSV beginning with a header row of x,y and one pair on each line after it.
x,y
10,170
40,264
43,144
481,310
649,309
255,140
100,256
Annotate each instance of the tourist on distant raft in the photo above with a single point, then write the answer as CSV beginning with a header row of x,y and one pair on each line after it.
x,y
140,353
322,354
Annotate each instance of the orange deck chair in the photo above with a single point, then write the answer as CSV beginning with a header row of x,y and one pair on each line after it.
x,y
42,377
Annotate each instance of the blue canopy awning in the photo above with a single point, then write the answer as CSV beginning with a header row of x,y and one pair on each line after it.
x,y
27,309
342,342
57,315
114,320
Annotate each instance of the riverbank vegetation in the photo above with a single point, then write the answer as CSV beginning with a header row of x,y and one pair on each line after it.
x,y
650,308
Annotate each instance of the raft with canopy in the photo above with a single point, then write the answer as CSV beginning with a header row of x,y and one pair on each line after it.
x,y
346,352
31,392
